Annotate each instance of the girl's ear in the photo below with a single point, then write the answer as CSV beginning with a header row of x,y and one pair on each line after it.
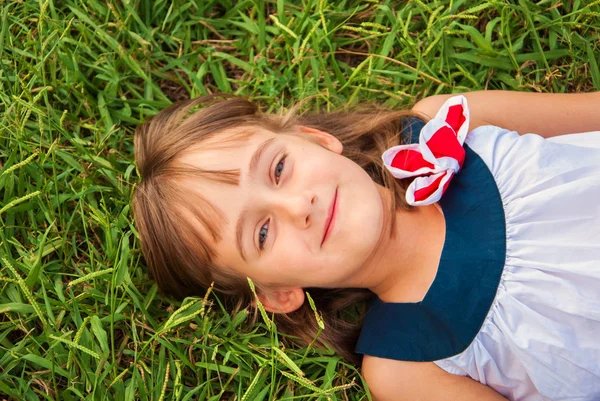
x,y
282,301
324,139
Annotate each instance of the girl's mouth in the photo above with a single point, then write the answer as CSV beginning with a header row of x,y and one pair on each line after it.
x,y
329,223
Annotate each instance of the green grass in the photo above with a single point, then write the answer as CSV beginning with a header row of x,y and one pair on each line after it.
x,y
79,317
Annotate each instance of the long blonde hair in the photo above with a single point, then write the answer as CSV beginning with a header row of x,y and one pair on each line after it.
x,y
179,257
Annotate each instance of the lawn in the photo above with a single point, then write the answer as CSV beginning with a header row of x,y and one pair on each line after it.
x,y
79,316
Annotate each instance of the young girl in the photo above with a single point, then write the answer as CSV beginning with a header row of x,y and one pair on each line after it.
x,y
479,247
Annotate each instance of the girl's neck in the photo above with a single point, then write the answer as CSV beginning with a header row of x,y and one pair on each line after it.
x,y
402,268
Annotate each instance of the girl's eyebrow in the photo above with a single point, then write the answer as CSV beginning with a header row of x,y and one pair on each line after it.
x,y
239,227
257,155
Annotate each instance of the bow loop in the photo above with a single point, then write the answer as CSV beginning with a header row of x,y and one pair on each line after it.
x,y
436,158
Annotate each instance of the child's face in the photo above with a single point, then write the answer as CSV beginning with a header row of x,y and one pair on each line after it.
x,y
288,219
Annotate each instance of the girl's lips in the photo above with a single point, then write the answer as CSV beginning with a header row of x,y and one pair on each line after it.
x,y
331,217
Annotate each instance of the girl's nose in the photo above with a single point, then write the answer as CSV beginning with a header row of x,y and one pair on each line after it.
x,y
299,208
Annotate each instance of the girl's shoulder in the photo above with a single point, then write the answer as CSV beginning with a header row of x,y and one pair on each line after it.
x,y
390,379
428,107
546,114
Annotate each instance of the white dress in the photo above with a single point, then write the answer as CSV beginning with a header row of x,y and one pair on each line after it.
x,y
541,337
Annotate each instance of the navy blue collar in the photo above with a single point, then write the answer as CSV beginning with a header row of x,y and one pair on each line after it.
x,y
447,320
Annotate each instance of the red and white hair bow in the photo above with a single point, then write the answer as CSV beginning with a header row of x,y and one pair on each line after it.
x,y
436,158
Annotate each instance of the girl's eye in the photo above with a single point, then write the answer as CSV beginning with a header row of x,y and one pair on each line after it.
x,y
279,168
262,235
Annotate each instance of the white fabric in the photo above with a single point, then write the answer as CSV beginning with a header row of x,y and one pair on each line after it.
x,y
541,337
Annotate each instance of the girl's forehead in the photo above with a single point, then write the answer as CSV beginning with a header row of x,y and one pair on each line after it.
x,y
231,149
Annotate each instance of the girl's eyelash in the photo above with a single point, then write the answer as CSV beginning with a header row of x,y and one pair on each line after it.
x,y
260,232
264,231
282,163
